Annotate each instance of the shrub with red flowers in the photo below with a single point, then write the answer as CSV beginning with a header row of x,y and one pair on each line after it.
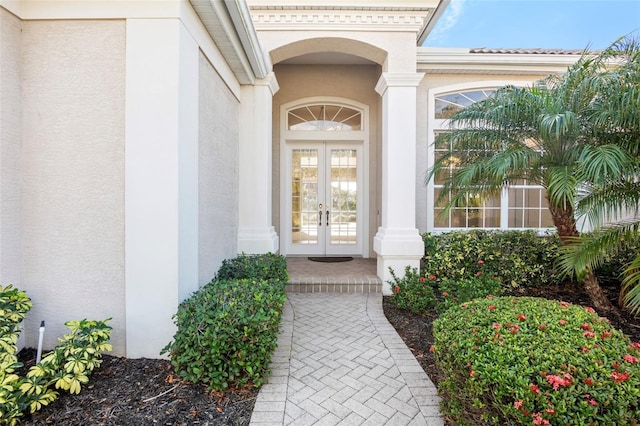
x,y
412,291
541,374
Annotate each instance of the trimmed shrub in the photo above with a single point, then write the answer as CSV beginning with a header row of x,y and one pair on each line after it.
x,y
412,291
515,258
454,292
523,361
227,332
67,367
267,266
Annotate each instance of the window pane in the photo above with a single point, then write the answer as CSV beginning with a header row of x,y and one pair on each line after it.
x,y
458,218
531,218
532,197
515,218
515,197
438,221
324,117
492,218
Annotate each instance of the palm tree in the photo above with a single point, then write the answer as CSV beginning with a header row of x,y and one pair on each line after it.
x,y
542,134
611,196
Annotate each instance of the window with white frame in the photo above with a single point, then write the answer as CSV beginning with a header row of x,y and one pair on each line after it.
x,y
522,205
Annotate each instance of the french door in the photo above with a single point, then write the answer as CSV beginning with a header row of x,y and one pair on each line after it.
x,y
324,198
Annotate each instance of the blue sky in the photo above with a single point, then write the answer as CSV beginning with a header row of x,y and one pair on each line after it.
x,y
563,24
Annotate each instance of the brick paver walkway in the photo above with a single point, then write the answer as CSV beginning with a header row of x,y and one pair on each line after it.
x,y
340,362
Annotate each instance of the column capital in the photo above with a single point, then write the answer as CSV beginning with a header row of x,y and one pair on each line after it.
x,y
270,81
398,79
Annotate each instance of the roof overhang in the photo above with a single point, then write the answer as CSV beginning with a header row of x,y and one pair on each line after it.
x,y
230,26
433,60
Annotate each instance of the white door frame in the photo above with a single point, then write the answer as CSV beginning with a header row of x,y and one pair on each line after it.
x,y
290,137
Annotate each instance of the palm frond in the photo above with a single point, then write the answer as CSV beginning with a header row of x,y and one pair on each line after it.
x,y
588,251
631,285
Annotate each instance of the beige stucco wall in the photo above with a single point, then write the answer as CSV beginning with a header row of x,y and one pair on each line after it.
x,y
355,82
10,147
73,174
433,82
218,172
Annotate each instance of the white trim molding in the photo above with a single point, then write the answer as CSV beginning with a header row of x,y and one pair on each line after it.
x,y
388,79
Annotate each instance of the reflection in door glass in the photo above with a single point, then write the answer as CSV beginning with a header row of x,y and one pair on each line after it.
x,y
304,196
344,173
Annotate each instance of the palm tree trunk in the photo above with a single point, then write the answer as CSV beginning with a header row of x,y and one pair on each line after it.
x,y
565,222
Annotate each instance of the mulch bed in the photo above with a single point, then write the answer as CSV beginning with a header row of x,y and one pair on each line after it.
x,y
147,392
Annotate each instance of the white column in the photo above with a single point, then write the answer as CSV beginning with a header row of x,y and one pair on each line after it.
x,y
161,179
256,233
398,242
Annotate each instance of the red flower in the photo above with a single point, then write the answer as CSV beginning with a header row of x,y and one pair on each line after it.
x,y
619,377
492,307
432,348
542,326
606,334
422,279
496,326
593,402
534,388
588,381
397,289
589,309
589,334
432,277
635,345
564,304
616,364
517,404
538,420
445,294
585,349
562,322
550,410
521,317
478,273
558,382
472,373
515,329
585,326
630,359
480,262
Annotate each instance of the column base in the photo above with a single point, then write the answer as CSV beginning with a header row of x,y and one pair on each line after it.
x,y
258,240
396,249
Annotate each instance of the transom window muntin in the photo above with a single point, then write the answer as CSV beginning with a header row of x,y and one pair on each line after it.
x,y
448,104
324,117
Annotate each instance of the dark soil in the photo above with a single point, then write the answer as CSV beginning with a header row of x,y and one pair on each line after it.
x,y
142,392
148,392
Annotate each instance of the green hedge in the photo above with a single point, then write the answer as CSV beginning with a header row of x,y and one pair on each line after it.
x,y
523,361
267,266
227,330
516,258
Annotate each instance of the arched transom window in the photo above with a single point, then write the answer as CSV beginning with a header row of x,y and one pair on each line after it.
x,y
522,205
324,116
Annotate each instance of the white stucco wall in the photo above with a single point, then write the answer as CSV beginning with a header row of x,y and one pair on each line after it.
x,y
73,174
218,172
10,146
354,82
434,82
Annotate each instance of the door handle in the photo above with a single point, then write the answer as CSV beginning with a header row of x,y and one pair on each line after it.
x,y
320,215
327,217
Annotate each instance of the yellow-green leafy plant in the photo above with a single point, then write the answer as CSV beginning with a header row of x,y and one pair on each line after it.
x,y
67,367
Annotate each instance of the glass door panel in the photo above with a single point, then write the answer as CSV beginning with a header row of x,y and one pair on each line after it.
x,y
304,196
343,188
